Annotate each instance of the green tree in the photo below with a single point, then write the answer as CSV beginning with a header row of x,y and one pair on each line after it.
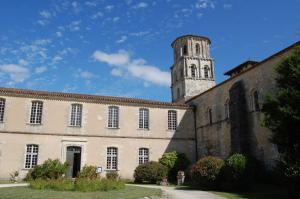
x,y
282,116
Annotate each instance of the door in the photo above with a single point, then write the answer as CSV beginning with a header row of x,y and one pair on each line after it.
x,y
73,158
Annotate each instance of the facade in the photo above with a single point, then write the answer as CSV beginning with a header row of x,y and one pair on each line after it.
x,y
116,133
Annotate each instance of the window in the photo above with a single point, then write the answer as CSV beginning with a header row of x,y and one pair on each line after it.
x,y
193,71
209,116
36,112
76,115
2,108
113,117
178,93
206,71
143,155
112,158
226,107
182,73
31,158
184,50
172,120
197,49
144,118
255,101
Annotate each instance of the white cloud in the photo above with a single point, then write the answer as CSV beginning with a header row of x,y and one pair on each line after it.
x,y
137,67
40,70
97,15
227,6
141,5
109,8
74,25
45,14
23,62
16,73
122,39
59,34
115,19
86,74
202,4
141,33
116,72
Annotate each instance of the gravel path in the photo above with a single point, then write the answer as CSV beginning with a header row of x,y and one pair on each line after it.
x,y
173,193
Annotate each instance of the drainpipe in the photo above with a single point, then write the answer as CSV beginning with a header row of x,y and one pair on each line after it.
x,y
194,107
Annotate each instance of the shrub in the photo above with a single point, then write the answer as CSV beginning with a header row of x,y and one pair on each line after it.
x,y
150,172
89,172
206,171
174,162
86,185
112,175
50,169
61,184
236,173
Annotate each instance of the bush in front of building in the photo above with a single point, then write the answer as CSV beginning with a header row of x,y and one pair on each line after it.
x,y
88,172
50,169
174,162
61,184
205,172
88,185
150,172
237,173
112,175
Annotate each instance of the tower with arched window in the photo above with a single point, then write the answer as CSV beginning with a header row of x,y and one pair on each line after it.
x,y
193,68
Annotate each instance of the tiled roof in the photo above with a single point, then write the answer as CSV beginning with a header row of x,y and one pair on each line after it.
x,y
88,98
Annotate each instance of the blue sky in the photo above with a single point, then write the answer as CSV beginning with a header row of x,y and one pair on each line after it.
x,y
122,47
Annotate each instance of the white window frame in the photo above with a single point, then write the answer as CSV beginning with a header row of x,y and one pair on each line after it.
x,y
143,156
36,112
2,109
76,115
112,158
113,117
144,118
172,120
31,156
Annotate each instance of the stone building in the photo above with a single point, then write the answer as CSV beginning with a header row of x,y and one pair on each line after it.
x,y
116,133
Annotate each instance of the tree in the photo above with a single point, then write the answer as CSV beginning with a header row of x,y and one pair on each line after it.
x,y
282,116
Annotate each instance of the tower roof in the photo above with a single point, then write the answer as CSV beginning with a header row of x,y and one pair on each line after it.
x,y
197,36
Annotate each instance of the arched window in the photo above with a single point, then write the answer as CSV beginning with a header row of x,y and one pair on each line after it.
x,y
193,70
209,111
206,69
197,49
143,155
2,108
226,109
255,101
185,50
178,93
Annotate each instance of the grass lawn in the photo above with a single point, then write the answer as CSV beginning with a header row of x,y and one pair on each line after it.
x,y
130,192
258,192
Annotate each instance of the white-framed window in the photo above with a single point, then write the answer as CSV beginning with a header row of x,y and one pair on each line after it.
x,y
112,158
143,118
2,108
36,112
31,157
76,115
172,120
226,109
113,117
143,155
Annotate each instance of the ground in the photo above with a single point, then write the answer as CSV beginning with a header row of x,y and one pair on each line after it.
x,y
130,192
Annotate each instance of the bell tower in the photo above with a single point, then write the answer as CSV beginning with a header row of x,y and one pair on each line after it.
x,y
193,70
